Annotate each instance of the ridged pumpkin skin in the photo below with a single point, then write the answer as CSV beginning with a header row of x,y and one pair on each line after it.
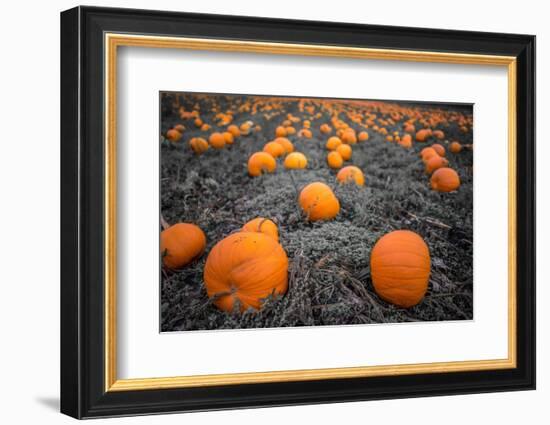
x,y
445,180
274,149
400,268
180,244
295,161
351,173
285,143
199,145
335,160
439,149
333,142
262,225
345,152
319,202
217,140
435,162
248,266
455,147
261,162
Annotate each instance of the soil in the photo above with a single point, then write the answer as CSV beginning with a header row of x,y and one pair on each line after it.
x,y
329,276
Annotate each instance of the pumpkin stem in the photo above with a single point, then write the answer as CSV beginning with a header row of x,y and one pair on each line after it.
x,y
165,225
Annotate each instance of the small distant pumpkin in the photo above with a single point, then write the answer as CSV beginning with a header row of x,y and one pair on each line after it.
x,y
245,267
280,131
363,136
290,131
389,138
333,142
349,137
262,225
325,129
180,128
435,162
198,122
445,180
423,135
205,127
345,151
400,268
439,149
295,161
173,135
285,143
199,145
274,149
234,130
455,147
334,160
438,134
409,128
180,244
261,162
228,137
217,140
306,133
351,173
406,141
319,202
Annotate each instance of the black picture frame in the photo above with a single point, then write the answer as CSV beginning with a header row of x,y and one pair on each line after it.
x,y
83,392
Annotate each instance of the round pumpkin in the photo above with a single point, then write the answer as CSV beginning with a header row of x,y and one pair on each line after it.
x,y
180,244
199,145
285,143
217,140
439,149
295,161
406,141
261,162
422,135
345,152
325,129
445,180
438,134
334,160
179,127
304,132
400,268
262,225
274,149
435,162
234,130
427,153
290,131
228,137
198,122
173,135
333,142
363,136
248,267
351,173
455,147
280,131
349,137
319,202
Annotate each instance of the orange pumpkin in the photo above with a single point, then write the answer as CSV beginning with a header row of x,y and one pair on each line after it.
x,y
280,131
319,202
333,142
290,131
349,137
345,152
438,134
351,173
180,128
199,145
406,141
198,122
180,244
274,149
400,268
173,135
455,147
334,160
245,128
248,267
445,180
363,136
427,153
262,225
439,149
409,128
295,161
325,129
234,130
285,143
205,127
228,137
261,162
435,162
217,140
304,132
423,135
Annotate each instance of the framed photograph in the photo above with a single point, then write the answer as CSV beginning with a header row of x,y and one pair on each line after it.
x,y
261,212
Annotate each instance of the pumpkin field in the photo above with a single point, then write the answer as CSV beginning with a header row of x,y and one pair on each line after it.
x,y
283,211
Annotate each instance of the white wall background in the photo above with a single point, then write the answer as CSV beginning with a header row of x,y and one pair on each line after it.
x,y
29,212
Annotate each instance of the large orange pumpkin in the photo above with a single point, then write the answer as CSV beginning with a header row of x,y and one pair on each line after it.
x,y
180,244
400,268
295,161
351,173
261,162
248,267
262,225
333,142
217,140
445,180
319,202
285,143
199,145
435,162
335,160
274,149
